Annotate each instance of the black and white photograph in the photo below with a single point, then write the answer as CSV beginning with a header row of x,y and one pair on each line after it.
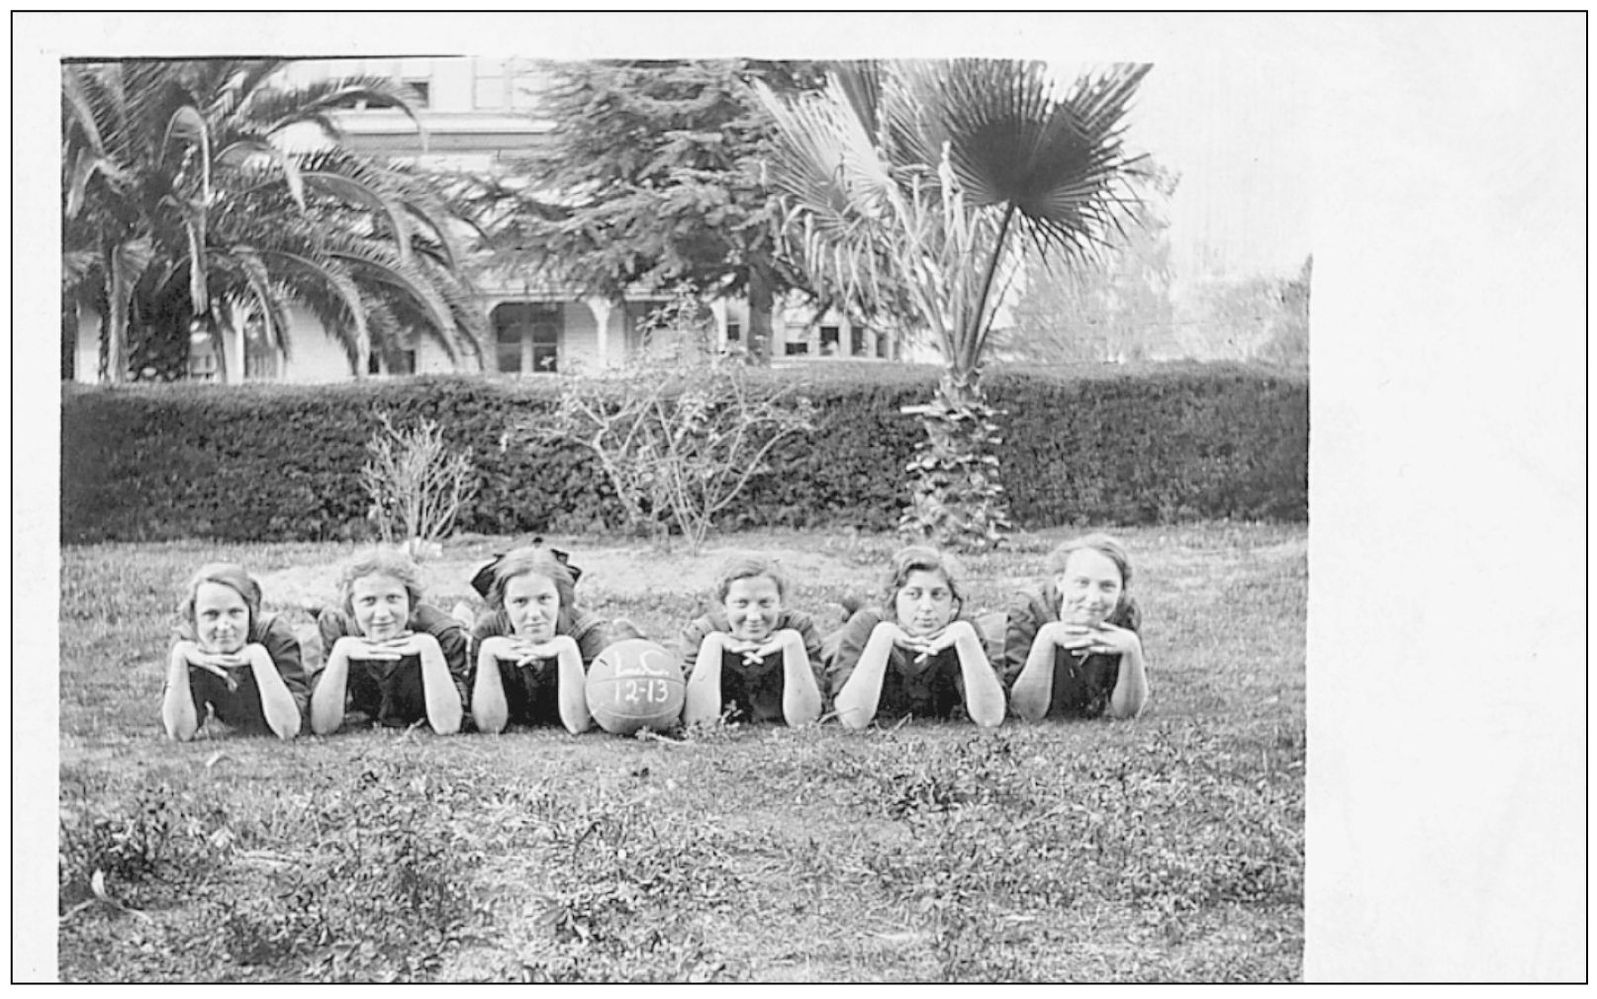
x,y
799,498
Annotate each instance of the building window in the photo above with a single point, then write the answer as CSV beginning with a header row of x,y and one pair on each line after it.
x,y
734,332
829,340
488,93
401,362
546,345
501,84
202,362
530,331
260,356
640,319
507,348
795,348
856,342
260,365
424,92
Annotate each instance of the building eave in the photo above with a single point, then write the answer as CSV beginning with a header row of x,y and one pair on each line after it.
x,y
391,131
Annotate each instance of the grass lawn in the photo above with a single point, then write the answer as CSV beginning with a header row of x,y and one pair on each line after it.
x,y
1169,848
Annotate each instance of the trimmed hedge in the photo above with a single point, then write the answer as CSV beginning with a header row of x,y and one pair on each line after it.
x,y
274,462
279,462
1161,447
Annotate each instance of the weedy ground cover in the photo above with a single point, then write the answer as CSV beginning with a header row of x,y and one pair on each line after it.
x,y
1165,849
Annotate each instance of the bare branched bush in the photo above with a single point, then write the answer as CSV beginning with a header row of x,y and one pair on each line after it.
x,y
416,482
681,432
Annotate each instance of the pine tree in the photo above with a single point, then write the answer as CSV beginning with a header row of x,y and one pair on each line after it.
x,y
656,175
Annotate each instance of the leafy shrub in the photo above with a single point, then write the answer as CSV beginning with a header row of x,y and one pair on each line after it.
x,y
995,829
124,849
386,892
614,908
131,844
849,471
282,462
1173,445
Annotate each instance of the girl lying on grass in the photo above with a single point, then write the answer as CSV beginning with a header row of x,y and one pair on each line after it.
x,y
752,655
534,645
242,665
915,655
389,655
1071,647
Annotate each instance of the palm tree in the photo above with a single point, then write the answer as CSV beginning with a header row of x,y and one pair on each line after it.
x,y
370,251
908,183
182,208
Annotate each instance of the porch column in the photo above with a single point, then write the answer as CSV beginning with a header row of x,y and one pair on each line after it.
x,y
719,311
233,350
86,359
601,308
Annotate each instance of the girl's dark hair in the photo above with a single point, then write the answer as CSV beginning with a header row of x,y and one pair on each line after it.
x,y
483,580
1103,544
533,561
748,567
1109,548
380,562
919,558
229,574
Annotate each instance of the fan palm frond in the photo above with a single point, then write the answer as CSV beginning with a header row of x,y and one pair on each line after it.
x,y
913,174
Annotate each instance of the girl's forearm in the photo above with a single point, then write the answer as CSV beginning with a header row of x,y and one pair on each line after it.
x,y
573,689
327,700
488,706
1131,687
702,701
1033,688
438,690
984,695
177,701
856,703
277,704
801,695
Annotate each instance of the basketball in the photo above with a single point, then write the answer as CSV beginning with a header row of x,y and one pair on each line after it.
x,y
635,684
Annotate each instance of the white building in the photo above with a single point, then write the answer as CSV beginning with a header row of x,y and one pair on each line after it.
x,y
477,114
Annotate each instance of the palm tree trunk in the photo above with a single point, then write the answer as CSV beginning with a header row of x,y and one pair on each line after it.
x,y
957,498
114,324
974,338
70,321
761,303
961,388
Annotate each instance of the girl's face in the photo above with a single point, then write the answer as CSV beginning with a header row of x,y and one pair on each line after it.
x,y
1089,587
221,618
925,603
381,605
532,603
752,605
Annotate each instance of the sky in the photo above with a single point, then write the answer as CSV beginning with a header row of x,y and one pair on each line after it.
x,y
1237,135
1436,166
